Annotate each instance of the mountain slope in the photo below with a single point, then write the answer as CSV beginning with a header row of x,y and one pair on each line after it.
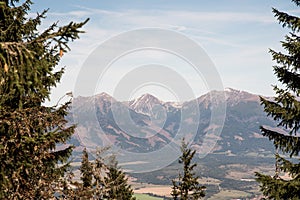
x,y
145,127
147,123
103,120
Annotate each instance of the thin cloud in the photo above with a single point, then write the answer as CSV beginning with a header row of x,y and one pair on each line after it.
x,y
71,14
222,16
94,11
221,33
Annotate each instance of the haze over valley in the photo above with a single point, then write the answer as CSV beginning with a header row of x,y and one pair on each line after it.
x,y
141,131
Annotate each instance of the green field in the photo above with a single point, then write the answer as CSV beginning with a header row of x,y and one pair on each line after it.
x,y
229,194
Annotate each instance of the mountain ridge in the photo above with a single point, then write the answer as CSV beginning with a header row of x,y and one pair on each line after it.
x,y
141,137
226,90
151,118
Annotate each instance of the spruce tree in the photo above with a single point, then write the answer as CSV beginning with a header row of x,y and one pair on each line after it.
x,y
117,186
285,109
86,170
175,190
29,130
100,168
187,186
85,189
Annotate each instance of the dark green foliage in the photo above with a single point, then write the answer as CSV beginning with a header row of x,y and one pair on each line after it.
x,y
117,184
285,109
30,131
101,179
86,170
110,182
175,190
100,168
187,186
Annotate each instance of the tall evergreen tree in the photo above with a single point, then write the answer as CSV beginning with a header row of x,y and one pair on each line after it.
x,y
187,186
285,109
117,186
30,131
85,189
86,170
100,168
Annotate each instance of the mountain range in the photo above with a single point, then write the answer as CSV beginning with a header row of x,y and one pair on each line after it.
x,y
223,126
147,124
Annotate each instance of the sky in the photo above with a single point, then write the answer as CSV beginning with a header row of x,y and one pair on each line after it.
x,y
235,35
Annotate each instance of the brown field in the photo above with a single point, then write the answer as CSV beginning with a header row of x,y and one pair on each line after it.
x,y
161,190
165,190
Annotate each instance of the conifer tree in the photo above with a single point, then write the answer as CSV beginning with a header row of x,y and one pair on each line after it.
x,y
30,131
101,179
285,109
117,186
100,168
175,190
86,170
85,189
187,186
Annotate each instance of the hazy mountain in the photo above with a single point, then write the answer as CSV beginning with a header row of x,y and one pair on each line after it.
x,y
146,104
223,125
101,117
147,123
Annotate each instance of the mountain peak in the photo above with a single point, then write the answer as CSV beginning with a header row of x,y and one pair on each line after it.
x,y
103,94
148,97
145,103
234,96
228,89
104,97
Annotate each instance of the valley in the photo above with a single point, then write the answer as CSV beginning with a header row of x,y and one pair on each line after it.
x,y
145,135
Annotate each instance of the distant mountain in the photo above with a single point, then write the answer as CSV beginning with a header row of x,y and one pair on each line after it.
x,y
146,104
147,123
101,118
222,125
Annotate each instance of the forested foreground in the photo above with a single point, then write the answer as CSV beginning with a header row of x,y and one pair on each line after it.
x,y
33,167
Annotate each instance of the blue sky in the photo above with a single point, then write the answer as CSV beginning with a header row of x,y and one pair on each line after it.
x,y
236,35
